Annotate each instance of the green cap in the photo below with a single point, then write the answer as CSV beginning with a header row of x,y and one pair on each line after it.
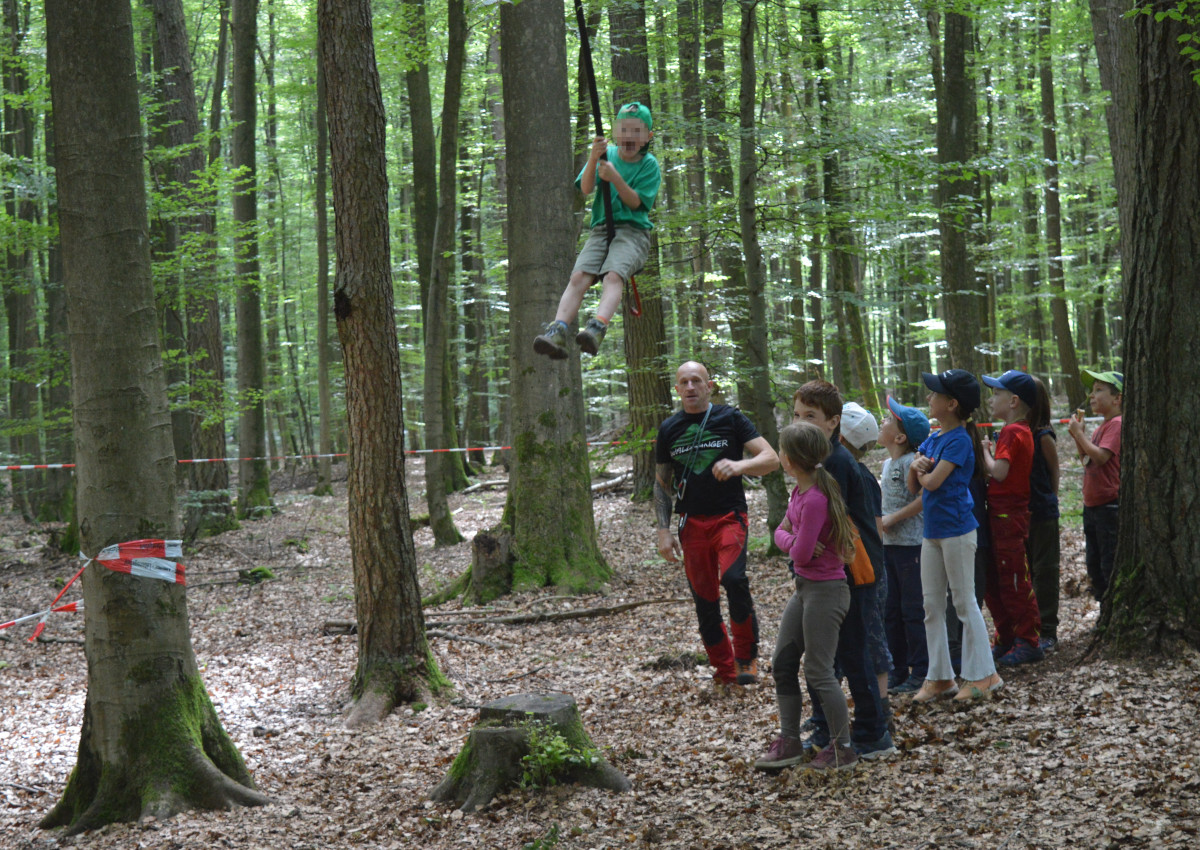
x,y
638,111
1115,378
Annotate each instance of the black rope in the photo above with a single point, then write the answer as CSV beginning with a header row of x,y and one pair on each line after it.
x,y
585,53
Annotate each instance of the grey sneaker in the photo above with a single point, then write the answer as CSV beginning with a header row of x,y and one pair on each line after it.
x,y
591,336
876,749
552,342
833,757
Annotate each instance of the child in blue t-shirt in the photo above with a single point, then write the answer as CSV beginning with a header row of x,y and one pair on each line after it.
x,y
942,473
633,178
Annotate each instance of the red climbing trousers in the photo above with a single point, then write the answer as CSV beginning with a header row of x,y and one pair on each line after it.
x,y
714,556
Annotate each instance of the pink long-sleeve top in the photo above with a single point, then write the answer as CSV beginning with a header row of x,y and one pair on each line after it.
x,y
808,513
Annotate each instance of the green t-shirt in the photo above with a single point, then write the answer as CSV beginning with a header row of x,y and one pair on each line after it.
x,y
642,176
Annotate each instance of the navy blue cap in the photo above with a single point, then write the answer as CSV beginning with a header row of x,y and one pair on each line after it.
x,y
913,422
1016,382
959,384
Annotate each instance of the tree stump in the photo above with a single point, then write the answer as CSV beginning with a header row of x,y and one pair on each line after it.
x,y
491,760
491,565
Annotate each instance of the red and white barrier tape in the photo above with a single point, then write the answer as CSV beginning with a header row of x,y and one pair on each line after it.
x,y
142,558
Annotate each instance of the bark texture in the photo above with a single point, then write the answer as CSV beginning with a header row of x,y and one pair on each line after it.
x,y
645,335
254,481
151,743
1155,596
209,508
549,509
393,657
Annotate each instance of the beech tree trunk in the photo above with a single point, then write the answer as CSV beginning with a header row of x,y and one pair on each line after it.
x,y
254,476
209,508
1154,600
20,293
963,300
394,662
437,318
321,201
1058,304
549,508
758,351
645,336
151,743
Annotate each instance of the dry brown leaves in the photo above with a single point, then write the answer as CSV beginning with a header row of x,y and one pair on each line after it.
x,y
1074,752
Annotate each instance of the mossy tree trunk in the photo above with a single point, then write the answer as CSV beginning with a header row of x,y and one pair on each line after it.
x,y
151,742
549,509
1154,600
393,657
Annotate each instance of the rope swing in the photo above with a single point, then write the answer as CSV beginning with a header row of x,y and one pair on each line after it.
x,y
610,228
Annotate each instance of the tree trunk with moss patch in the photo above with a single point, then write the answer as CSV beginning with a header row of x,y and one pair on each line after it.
x,y
1154,599
394,663
151,743
549,509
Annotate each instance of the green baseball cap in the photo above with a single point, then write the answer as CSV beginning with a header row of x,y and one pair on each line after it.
x,y
1115,378
636,110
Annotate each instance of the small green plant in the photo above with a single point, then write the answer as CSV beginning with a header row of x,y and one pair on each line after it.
x,y
550,839
257,575
418,707
300,544
550,756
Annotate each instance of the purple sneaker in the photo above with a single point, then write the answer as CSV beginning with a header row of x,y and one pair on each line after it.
x,y
783,752
834,757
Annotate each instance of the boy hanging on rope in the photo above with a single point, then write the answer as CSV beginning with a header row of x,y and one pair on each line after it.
x,y
633,176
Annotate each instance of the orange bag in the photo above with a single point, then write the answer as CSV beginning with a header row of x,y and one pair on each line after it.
x,y
860,569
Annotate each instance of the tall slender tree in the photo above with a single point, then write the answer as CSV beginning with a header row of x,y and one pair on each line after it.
x,y
151,742
394,662
254,478
759,349
208,507
645,336
437,314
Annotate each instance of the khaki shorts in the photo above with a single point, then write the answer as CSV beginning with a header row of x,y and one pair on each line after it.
x,y
625,256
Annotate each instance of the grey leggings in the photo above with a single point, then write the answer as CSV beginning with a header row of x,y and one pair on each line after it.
x,y
811,621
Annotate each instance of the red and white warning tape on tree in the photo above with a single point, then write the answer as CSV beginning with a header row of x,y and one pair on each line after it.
x,y
142,558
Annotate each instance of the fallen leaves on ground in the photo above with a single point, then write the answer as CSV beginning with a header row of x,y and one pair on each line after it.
x,y
1078,751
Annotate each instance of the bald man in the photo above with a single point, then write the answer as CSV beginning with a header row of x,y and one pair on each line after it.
x,y
702,453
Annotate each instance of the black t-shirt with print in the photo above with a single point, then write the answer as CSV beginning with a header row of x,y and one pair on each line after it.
x,y
725,434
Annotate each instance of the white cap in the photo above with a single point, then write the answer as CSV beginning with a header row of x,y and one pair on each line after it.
x,y
858,425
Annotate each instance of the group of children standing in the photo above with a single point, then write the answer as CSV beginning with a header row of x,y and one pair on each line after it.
x,y
890,577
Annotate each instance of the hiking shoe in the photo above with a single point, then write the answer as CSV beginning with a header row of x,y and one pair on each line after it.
x,y
999,650
815,742
1047,644
783,752
909,686
1022,652
747,671
876,749
552,341
834,757
591,336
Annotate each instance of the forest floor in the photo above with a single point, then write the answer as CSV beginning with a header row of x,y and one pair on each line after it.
x,y
1078,751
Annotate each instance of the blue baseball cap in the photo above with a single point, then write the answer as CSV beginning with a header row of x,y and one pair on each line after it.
x,y
913,422
959,384
1016,382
